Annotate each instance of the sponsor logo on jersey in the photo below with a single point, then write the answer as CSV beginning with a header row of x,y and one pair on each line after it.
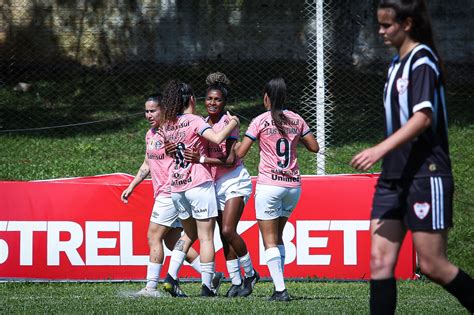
x,y
286,172
286,179
180,182
175,136
175,127
285,130
154,156
421,209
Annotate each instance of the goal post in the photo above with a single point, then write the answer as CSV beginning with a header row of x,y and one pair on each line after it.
x,y
314,96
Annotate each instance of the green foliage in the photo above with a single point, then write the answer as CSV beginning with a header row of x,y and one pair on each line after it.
x,y
460,244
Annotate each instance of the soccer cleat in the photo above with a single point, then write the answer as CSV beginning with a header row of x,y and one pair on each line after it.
x,y
146,292
234,290
282,296
206,292
217,281
249,284
171,286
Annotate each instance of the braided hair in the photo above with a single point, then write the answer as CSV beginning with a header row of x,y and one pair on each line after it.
x,y
276,91
218,81
176,98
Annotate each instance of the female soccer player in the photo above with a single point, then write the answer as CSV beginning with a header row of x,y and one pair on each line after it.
x,y
233,187
164,224
279,183
415,188
192,185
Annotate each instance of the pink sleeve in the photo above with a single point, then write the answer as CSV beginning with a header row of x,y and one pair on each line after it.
x,y
306,128
252,131
200,125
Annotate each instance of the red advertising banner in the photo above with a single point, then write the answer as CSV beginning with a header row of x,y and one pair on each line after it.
x,y
79,229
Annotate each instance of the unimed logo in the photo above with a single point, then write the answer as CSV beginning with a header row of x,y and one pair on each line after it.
x,y
297,238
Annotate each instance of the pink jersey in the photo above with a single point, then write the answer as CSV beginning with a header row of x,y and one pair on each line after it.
x,y
278,162
159,163
186,133
219,150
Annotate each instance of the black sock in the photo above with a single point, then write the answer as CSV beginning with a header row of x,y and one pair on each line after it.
x,y
383,296
462,287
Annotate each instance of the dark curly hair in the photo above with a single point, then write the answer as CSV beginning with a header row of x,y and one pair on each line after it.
x,y
176,97
218,81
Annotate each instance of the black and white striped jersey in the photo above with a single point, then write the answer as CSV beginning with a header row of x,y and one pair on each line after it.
x,y
414,83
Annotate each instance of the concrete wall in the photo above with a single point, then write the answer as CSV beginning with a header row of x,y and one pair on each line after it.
x,y
105,32
453,26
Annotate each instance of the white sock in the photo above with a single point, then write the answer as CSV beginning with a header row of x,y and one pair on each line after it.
x,y
246,263
196,264
234,271
152,275
207,273
281,248
176,261
273,258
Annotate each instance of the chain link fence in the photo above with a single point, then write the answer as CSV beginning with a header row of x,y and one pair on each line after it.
x,y
74,74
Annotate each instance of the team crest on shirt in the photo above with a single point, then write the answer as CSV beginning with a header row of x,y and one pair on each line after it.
x,y
402,85
154,144
421,209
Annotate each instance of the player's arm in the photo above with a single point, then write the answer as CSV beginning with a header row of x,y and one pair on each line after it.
x,y
230,159
413,128
193,156
310,142
141,175
243,147
218,137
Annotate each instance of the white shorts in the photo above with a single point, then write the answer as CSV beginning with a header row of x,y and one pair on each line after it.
x,y
272,202
198,202
236,183
164,212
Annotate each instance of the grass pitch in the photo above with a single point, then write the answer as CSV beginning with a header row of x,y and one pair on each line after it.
x,y
416,297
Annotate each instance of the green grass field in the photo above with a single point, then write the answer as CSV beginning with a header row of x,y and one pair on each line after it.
x,y
120,148
308,297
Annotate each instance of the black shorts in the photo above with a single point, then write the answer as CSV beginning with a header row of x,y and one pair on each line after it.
x,y
424,204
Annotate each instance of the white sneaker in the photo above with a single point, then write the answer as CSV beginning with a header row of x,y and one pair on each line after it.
x,y
146,292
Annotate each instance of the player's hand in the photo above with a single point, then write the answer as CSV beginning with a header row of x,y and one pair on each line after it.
x,y
232,117
170,148
125,194
366,159
191,155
